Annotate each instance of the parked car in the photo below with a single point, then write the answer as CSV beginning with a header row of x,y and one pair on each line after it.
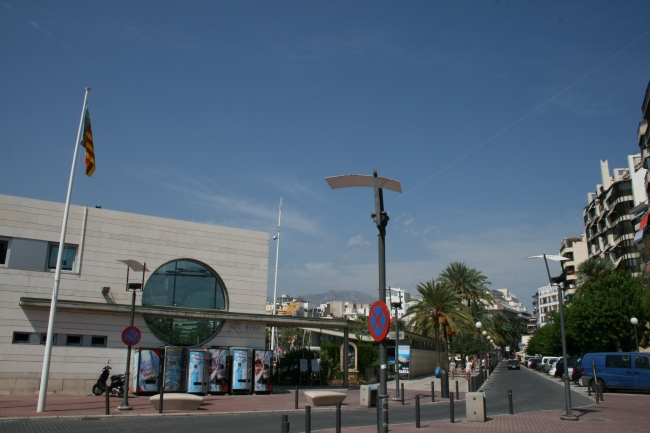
x,y
513,364
576,375
551,371
533,363
617,370
547,365
572,361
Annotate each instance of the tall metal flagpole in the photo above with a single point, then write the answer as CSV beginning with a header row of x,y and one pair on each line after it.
x,y
57,275
275,284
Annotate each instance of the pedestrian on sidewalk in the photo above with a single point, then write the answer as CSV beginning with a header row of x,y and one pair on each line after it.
x,y
452,367
468,368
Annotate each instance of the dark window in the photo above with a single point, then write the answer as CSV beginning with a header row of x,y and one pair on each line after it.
x,y
44,338
4,248
618,361
68,256
642,362
73,340
98,341
21,337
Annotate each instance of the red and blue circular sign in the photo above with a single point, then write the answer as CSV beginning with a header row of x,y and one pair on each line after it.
x,y
131,336
379,321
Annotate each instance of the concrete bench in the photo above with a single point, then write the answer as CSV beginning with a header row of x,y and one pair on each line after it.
x,y
173,401
324,398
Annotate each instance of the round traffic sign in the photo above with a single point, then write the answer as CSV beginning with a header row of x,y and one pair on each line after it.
x,y
379,321
131,336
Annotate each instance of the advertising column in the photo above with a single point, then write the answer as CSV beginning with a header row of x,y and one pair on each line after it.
x,y
404,358
148,371
175,369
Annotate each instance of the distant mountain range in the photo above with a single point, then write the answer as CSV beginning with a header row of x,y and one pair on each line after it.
x,y
315,299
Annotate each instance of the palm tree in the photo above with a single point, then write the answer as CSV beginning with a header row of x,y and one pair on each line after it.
x,y
591,269
440,306
466,281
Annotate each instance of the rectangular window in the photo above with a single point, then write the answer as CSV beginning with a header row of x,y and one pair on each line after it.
x,y
73,340
21,338
618,361
44,338
4,251
98,341
68,256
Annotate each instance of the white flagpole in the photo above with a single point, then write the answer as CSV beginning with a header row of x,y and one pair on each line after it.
x,y
57,275
275,284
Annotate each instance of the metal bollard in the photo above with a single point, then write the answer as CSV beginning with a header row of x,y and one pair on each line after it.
x,y
433,392
296,405
457,392
510,409
451,408
162,394
285,424
108,408
402,394
417,411
338,417
307,419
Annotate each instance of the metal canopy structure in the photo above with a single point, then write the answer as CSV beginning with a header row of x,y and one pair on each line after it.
x,y
350,180
189,313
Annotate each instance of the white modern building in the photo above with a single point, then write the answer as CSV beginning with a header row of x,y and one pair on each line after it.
x,y
547,297
609,229
204,286
575,250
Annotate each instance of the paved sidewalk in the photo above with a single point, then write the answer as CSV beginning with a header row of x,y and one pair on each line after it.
x,y
283,400
619,413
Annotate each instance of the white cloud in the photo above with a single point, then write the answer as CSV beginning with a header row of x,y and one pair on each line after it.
x,y
357,241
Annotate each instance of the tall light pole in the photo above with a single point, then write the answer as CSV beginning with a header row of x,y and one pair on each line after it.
x,y
478,331
560,295
634,322
133,288
275,283
381,220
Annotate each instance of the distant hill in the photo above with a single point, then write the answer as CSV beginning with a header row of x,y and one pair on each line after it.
x,y
338,295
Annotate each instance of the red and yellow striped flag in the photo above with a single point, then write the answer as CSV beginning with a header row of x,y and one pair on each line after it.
x,y
87,142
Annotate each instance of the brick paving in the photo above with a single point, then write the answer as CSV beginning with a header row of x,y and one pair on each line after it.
x,y
76,406
619,413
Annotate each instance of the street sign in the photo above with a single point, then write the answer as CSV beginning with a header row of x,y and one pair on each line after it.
x,y
131,336
379,321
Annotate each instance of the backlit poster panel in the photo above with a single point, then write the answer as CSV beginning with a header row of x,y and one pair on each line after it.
x,y
218,370
148,370
404,358
263,364
175,369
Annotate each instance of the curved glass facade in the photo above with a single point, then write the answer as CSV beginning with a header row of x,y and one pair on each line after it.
x,y
184,283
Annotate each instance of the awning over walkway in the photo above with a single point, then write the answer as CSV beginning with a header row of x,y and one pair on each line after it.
x,y
188,313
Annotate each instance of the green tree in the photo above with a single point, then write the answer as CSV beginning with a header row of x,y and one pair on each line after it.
x,y
468,282
440,306
599,316
592,269
547,339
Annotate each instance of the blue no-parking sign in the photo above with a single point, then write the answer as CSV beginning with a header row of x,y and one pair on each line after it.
x,y
379,321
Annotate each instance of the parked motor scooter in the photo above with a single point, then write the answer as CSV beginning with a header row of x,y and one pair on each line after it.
x,y
116,386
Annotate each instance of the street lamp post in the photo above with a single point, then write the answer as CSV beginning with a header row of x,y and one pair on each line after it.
x,y
381,220
484,333
478,329
634,322
133,288
569,416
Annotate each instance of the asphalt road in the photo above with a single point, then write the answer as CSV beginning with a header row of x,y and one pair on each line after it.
x,y
531,392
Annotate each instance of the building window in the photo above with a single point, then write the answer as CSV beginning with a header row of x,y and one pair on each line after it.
x,y
4,251
98,341
73,340
68,256
21,338
44,338
189,284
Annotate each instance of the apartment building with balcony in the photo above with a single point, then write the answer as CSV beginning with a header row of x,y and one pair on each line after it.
x,y
609,229
642,236
575,249
547,299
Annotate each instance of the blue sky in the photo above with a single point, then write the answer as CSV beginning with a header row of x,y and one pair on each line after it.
x,y
212,111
